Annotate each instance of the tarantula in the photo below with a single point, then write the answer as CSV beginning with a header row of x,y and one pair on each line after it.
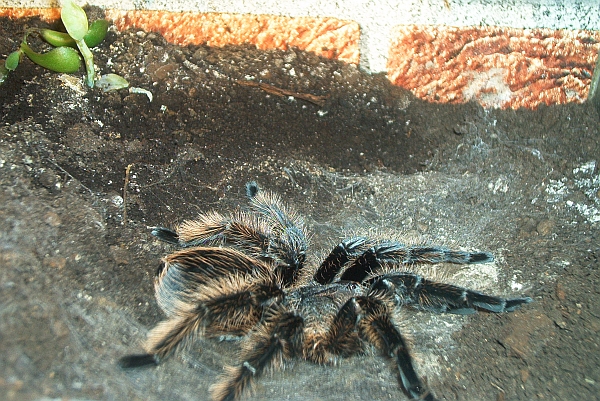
x,y
245,276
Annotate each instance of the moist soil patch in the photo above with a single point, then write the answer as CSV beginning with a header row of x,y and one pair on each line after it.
x,y
83,174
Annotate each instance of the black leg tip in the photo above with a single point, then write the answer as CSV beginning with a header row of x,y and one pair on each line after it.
x,y
481,257
138,361
512,304
251,189
166,235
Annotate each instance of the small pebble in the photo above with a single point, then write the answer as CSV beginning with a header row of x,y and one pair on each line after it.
x,y
545,227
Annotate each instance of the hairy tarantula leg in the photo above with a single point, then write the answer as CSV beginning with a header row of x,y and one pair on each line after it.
x,y
339,256
289,238
366,263
271,207
412,289
277,339
233,304
376,327
340,339
242,230
168,335
396,253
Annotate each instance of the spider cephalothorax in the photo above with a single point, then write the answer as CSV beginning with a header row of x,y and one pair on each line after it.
x,y
244,276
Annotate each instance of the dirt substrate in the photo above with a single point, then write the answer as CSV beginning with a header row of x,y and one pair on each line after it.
x,y
77,258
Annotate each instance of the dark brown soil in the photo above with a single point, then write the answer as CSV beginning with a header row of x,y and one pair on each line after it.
x,y
77,258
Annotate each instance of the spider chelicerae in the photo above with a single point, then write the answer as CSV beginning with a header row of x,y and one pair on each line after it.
x,y
245,276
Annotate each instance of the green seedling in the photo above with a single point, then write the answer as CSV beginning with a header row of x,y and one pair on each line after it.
x,y
111,82
76,24
60,59
10,64
12,61
92,38
63,58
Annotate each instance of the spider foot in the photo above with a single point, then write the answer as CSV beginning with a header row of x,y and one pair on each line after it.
x,y
137,361
166,235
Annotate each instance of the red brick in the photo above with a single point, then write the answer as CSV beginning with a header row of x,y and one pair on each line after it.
x,y
328,37
46,14
498,67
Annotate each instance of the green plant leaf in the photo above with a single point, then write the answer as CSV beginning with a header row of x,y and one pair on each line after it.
x,y
12,61
74,19
60,59
111,82
92,38
96,33
56,38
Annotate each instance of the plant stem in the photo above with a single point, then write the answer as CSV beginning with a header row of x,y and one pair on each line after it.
x,y
88,58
